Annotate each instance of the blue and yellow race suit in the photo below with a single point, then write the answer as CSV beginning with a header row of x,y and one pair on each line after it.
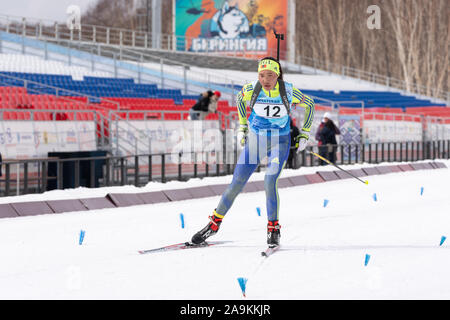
x,y
269,136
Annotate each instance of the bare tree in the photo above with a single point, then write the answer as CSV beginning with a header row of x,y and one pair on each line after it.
x,y
112,13
125,14
412,44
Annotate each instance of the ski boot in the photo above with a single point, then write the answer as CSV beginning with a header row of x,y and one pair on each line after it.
x,y
273,234
211,229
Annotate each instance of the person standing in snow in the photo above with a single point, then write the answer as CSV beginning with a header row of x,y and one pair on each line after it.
x,y
326,137
266,133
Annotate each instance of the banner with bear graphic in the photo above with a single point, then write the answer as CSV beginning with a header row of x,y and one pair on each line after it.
x,y
236,27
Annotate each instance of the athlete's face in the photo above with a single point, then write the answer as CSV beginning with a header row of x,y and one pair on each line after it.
x,y
268,79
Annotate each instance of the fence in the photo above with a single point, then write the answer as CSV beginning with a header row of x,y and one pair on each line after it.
x,y
138,170
381,152
124,38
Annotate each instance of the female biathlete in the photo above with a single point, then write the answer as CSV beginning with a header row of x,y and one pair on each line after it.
x,y
270,101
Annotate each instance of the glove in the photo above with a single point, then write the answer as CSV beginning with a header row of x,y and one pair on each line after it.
x,y
242,135
302,140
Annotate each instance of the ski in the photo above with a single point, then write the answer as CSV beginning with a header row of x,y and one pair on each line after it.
x,y
269,251
182,246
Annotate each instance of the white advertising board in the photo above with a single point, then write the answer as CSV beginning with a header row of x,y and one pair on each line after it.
x,y
166,136
392,131
438,131
34,139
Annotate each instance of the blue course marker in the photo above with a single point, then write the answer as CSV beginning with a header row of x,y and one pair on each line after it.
x,y
374,197
366,260
325,202
81,238
258,211
182,220
242,283
421,190
442,240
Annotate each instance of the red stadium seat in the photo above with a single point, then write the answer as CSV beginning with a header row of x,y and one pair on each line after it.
x,y
23,115
153,115
212,116
172,116
136,116
61,116
70,116
8,115
42,116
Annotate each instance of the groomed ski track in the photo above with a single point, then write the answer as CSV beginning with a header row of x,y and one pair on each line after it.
x,y
322,254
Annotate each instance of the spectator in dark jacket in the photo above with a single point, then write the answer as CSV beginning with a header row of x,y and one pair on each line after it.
x,y
207,102
326,137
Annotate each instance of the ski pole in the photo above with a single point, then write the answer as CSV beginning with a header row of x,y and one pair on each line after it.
x,y
329,162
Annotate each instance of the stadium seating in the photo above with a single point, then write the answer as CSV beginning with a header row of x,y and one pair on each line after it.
x,y
105,87
98,84
147,101
373,99
93,86
105,92
141,101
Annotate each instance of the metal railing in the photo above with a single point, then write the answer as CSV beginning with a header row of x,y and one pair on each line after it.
x,y
404,151
167,73
121,56
63,95
110,121
37,175
47,29
108,117
143,75
104,117
422,91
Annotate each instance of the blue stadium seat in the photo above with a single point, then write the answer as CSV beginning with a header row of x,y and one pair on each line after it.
x,y
126,87
371,98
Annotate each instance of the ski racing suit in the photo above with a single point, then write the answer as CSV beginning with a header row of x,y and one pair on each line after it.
x,y
269,136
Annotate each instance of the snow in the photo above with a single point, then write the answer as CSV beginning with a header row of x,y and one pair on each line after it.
x,y
322,255
156,186
333,82
10,62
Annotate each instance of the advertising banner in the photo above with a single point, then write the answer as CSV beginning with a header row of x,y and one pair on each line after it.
x,y
350,127
437,131
34,139
392,131
169,137
243,27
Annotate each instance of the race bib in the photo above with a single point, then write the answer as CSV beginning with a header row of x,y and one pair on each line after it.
x,y
270,110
